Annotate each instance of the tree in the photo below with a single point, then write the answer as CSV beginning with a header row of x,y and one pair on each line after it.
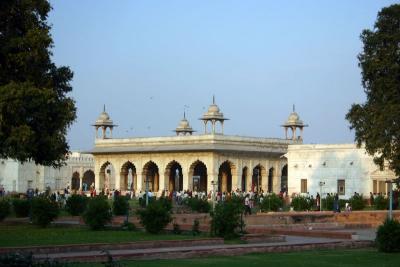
x,y
377,121
35,110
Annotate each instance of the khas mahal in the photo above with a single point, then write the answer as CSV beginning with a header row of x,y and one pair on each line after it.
x,y
214,161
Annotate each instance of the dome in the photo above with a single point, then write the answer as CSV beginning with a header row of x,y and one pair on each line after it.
x,y
104,119
184,126
103,116
213,109
213,113
294,119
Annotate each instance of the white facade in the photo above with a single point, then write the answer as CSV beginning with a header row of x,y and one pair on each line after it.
x,y
18,177
343,168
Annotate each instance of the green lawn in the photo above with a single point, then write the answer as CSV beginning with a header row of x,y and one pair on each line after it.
x,y
328,258
28,235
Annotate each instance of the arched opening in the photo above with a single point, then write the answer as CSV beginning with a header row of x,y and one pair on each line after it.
x,y
225,177
175,176
257,178
107,177
151,176
244,179
88,180
284,179
270,180
128,176
198,174
75,181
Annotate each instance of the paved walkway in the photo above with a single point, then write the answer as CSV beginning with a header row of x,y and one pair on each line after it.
x,y
292,243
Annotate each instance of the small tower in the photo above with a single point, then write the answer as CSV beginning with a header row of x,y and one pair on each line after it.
x,y
293,123
104,122
184,127
213,115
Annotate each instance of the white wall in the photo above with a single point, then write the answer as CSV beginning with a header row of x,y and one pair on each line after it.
x,y
329,163
41,176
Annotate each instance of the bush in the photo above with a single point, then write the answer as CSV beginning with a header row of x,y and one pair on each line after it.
x,y
120,205
357,202
381,203
97,213
27,260
327,203
271,202
21,207
226,218
128,226
198,204
301,203
156,216
176,229
388,236
142,200
44,211
196,227
76,204
4,208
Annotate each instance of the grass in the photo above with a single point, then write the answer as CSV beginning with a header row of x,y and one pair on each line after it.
x,y
29,235
326,258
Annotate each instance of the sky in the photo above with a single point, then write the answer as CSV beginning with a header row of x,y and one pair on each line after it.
x,y
149,60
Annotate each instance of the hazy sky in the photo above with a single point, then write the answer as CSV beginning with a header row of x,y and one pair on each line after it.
x,y
147,59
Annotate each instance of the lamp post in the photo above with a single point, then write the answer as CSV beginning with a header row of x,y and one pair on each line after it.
x,y
147,189
321,184
213,183
390,182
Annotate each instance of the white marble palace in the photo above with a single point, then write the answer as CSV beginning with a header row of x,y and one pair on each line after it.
x,y
214,161
201,162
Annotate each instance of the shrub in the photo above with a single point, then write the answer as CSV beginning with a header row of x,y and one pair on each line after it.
x,y
226,218
4,208
300,203
166,203
381,203
388,236
156,216
44,211
76,204
357,202
27,260
198,204
128,226
120,205
142,200
97,213
21,207
271,202
176,229
196,227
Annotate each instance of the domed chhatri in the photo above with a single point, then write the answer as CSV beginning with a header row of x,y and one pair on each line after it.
x,y
213,115
294,122
184,127
104,122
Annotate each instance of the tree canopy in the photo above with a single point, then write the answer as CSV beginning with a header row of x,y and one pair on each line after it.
x,y
377,121
35,109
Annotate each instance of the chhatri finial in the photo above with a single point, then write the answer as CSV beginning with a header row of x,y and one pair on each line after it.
x,y
214,99
104,108
294,108
184,114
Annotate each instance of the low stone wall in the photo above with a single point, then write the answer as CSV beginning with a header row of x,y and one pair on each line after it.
x,y
117,246
362,218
